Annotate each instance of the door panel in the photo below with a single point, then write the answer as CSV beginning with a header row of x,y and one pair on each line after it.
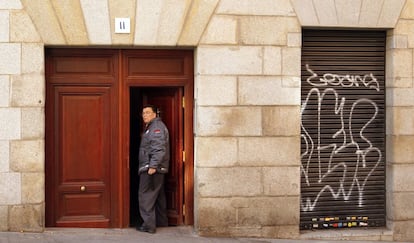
x,y
168,101
83,164
82,138
89,142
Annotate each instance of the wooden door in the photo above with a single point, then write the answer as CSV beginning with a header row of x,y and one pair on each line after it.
x,y
89,181
168,101
81,138
163,78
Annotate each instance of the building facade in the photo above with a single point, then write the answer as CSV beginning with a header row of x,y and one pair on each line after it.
x,y
249,65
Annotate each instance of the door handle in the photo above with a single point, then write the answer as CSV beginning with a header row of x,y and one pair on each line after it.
x,y
83,188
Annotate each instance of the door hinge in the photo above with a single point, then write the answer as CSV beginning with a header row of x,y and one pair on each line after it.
x,y
183,102
183,156
183,209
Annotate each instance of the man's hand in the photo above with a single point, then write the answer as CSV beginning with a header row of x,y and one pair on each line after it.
x,y
151,171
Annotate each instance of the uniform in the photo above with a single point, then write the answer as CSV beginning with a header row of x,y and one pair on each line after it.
x,y
154,152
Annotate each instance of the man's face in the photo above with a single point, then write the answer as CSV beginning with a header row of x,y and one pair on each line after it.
x,y
148,115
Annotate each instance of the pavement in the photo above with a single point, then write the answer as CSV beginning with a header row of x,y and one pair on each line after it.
x,y
182,234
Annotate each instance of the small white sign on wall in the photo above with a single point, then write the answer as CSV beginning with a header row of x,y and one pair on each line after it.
x,y
122,25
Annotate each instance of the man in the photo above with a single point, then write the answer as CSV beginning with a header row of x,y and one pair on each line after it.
x,y
154,156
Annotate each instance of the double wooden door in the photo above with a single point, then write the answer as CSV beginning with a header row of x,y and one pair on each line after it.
x,y
93,101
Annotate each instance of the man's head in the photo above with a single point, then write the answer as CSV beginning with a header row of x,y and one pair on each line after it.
x,y
149,112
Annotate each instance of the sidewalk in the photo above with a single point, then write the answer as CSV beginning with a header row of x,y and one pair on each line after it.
x,y
182,234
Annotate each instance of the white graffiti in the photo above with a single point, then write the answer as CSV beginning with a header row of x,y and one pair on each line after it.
x,y
368,80
347,136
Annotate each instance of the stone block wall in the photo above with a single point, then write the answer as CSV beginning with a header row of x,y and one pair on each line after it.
x,y
247,96
400,128
21,124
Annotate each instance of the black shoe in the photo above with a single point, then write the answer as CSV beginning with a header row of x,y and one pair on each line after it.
x,y
145,229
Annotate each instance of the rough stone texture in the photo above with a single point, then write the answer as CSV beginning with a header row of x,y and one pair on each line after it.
x,y
291,61
269,151
171,22
403,120
238,216
396,41
10,123
221,30
408,10
4,27
389,17
216,212
294,39
248,100
33,58
404,27
157,24
222,182
306,12
281,121
70,16
400,97
400,149
403,203
96,17
33,123
42,14
236,60
403,181
401,64
26,218
349,234
147,21
326,12
33,188
197,20
349,17
256,90
4,218
125,10
28,90
403,230
228,121
281,232
4,156
27,155
4,91
291,82
370,12
267,30
22,28
272,60
256,7
221,152
269,211
281,181
10,194
10,4
216,90
11,64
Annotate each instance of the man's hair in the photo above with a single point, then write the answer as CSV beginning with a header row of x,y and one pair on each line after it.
x,y
153,107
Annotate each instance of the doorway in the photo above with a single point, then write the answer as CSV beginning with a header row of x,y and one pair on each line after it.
x,y
94,98
168,100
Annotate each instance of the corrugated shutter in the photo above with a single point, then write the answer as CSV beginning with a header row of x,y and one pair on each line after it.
x,y
342,129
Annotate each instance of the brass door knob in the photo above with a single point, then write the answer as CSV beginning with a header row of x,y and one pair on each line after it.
x,y
83,188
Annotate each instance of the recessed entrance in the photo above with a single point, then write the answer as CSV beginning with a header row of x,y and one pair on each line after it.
x,y
169,102
94,98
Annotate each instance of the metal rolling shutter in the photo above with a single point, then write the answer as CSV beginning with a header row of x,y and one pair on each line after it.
x,y
342,129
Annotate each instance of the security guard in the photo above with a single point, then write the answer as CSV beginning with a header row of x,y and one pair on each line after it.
x,y
154,156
